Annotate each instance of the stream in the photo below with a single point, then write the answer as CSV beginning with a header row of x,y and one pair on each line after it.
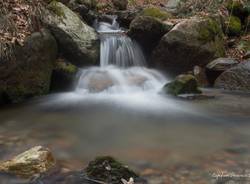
x,y
116,109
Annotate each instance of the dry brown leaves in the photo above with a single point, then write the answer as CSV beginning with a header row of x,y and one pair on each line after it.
x,y
18,20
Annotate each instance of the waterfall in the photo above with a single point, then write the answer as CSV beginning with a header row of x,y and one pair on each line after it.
x,y
122,65
117,48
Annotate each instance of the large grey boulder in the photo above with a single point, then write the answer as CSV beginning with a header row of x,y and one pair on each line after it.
x,y
29,73
147,31
77,41
236,78
192,42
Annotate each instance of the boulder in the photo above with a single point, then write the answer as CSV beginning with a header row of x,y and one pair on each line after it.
x,y
120,4
63,76
233,26
147,31
124,18
236,78
84,9
216,67
37,160
156,13
28,74
77,41
183,84
192,42
109,170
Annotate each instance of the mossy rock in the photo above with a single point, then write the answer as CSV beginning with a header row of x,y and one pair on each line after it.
x,y
56,9
236,8
63,76
209,29
233,26
65,67
183,84
156,13
109,170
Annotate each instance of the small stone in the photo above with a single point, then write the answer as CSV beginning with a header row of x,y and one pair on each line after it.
x,y
35,161
116,171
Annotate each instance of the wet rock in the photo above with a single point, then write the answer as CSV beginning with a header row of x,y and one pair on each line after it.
x,y
124,18
77,41
107,169
63,76
34,161
215,68
183,84
236,78
96,82
84,9
147,31
29,73
155,13
120,4
233,26
192,42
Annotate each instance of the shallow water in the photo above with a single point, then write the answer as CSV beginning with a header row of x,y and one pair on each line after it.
x,y
138,128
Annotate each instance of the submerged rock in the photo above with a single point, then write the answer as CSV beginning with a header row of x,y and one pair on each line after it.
x,y
236,78
63,76
147,31
29,73
34,161
192,42
215,68
107,169
77,41
183,84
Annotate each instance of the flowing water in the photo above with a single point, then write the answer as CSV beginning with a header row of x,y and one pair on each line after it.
x,y
116,110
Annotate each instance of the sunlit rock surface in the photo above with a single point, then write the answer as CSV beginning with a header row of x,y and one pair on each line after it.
x,y
34,161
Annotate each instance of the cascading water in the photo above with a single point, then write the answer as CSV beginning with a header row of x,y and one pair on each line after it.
x,y
122,65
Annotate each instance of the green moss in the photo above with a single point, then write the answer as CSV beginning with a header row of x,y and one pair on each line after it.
x,y
56,9
156,13
235,7
209,30
234,26
183,84
66,67
109,170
